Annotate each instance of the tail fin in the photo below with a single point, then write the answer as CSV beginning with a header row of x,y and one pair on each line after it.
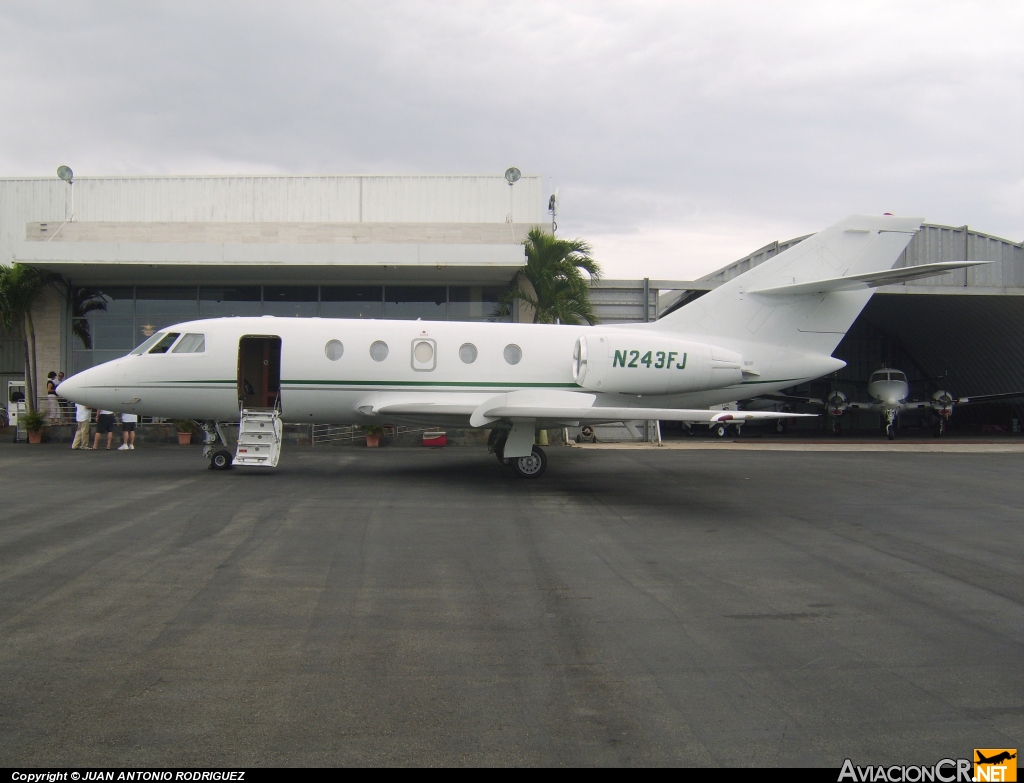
x,y
811,322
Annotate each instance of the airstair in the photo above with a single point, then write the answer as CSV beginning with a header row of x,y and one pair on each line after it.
x,y
259,437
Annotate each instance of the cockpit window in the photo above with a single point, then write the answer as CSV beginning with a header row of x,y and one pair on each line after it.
x,y
164,345
897,376
150,342
880,375
191,343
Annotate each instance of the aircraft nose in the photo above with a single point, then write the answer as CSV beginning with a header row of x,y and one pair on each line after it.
x,y
95,387
69,388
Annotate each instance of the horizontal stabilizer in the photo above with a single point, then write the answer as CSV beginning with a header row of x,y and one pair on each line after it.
x,y
865,280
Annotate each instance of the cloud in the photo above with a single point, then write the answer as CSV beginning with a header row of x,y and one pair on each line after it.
x,y
666,126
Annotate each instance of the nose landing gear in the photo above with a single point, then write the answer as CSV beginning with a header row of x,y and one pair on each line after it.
x,y
220,458
890,424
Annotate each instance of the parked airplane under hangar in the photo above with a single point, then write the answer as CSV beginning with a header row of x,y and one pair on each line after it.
x,y
440,247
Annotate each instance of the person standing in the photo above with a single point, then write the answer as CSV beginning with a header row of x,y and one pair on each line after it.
x,y
128,422
82,416
104,424
52,405
64,406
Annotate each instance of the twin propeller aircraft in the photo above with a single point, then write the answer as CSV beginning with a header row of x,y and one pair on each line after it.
x,y
768,329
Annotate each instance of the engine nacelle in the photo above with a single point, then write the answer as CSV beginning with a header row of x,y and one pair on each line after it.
x,y
652,364
942,403
837,403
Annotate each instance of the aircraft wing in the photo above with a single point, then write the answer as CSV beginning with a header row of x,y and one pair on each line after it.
x,y
863,406
989,397
421,403
565,406
790,398
866,280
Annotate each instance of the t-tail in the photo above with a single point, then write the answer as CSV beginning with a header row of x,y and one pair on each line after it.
x,y
795,308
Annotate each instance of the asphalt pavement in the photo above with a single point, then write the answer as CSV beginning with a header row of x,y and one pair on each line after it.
x,y
429,607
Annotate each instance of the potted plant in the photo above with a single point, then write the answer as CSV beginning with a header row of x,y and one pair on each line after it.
x,y
185,427
373,433
33,422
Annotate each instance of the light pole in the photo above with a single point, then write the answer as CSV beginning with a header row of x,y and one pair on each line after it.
x,y
66,174
512,176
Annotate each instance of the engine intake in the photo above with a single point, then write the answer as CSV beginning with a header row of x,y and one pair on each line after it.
x,y
649,364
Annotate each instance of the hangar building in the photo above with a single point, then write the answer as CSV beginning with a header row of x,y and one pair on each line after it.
x,y
166,249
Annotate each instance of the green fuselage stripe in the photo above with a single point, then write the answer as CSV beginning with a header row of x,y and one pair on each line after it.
x,y
459,384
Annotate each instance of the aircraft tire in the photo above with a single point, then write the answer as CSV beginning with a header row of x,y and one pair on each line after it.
x,y
532,466
221,460
721,430
890,430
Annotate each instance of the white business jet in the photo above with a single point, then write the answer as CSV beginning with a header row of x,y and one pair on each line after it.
x,y
768,329
889,390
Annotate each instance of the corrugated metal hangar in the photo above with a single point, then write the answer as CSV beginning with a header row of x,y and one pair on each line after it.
x,y
165,249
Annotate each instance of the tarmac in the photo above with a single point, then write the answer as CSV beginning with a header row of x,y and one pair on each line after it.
x,y
720,606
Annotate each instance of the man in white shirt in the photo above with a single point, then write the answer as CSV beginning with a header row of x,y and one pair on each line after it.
x,y
104,424
128,421
82,416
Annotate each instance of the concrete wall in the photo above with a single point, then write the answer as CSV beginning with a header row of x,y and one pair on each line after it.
x,y
47,316
284,233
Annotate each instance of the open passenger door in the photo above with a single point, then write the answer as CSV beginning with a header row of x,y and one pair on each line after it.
x,y
259,372
259,395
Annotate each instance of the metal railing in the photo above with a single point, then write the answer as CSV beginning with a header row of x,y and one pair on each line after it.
x,y
339,433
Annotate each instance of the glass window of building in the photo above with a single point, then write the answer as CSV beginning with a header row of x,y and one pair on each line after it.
x,y
181,303
99,335
291,300
407,302
352,301
157,307
474,303
222,301
120,301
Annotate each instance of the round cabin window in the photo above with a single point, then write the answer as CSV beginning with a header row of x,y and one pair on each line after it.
x,y
379,351
467,353
424,352
334,350
513,354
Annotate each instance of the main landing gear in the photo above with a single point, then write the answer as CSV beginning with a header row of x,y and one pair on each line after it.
x,y
531,466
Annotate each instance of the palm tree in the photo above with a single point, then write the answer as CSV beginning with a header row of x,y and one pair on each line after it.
x,y
554,270
84,301
19,287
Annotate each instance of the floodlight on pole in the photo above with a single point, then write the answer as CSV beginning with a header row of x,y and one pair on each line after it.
x,y
512,175
553,209
65,173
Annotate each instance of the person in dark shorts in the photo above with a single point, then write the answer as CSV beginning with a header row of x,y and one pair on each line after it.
x,y
128,422
104,423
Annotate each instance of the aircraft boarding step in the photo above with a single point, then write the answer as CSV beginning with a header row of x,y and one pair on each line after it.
x,y
259,437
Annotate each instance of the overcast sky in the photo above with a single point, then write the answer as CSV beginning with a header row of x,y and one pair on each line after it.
x,y
680,135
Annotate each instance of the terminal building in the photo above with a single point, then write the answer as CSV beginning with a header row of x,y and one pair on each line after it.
x,y
168,249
